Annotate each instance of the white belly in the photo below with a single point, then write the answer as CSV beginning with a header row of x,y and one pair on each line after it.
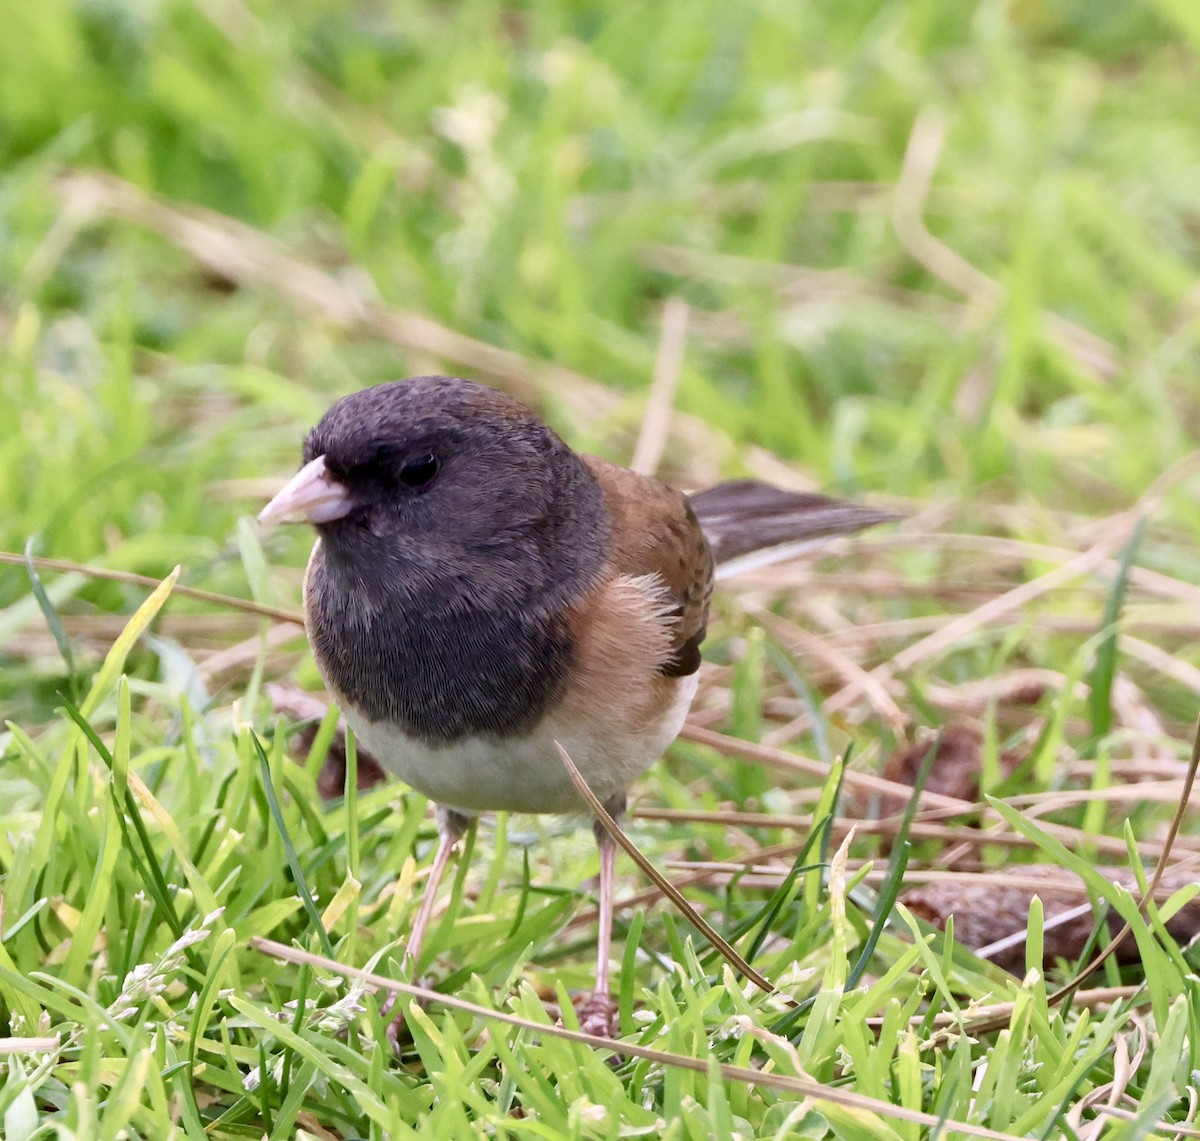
x,y
525,774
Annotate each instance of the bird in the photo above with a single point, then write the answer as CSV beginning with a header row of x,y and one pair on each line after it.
x,y
480,594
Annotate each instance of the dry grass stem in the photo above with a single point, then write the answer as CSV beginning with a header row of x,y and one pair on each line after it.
x,y
668,364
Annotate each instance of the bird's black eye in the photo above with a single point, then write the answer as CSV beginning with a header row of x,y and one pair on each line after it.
x,y
420,470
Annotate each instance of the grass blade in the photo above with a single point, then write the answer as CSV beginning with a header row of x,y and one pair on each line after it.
x,y
268,784
50,613
1104,671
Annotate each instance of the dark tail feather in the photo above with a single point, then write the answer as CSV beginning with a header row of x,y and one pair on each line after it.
x,y
745,516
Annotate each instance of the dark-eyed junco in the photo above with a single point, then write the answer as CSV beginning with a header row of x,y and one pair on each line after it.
x,y
479,592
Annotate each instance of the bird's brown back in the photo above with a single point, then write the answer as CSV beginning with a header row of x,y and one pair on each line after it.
x,y
656,532
659,531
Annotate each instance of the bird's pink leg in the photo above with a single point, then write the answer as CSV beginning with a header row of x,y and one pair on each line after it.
x,y
597,1015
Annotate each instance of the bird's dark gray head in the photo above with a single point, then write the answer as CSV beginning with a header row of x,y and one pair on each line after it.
x,y
438,479
456,531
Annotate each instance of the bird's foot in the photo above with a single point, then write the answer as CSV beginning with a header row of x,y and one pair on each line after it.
x,y
598,1015
395,1030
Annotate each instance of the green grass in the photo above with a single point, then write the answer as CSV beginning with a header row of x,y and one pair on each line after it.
x,y
940,255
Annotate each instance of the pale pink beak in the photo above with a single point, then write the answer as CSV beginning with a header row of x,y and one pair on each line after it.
x,y
312,495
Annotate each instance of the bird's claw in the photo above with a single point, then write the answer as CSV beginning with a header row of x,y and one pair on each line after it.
x,y
597,1015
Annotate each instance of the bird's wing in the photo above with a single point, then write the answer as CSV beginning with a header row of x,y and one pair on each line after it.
x,y
656,532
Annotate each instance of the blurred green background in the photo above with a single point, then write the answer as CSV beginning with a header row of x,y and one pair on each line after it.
x,y
935,252
938,251
541,176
